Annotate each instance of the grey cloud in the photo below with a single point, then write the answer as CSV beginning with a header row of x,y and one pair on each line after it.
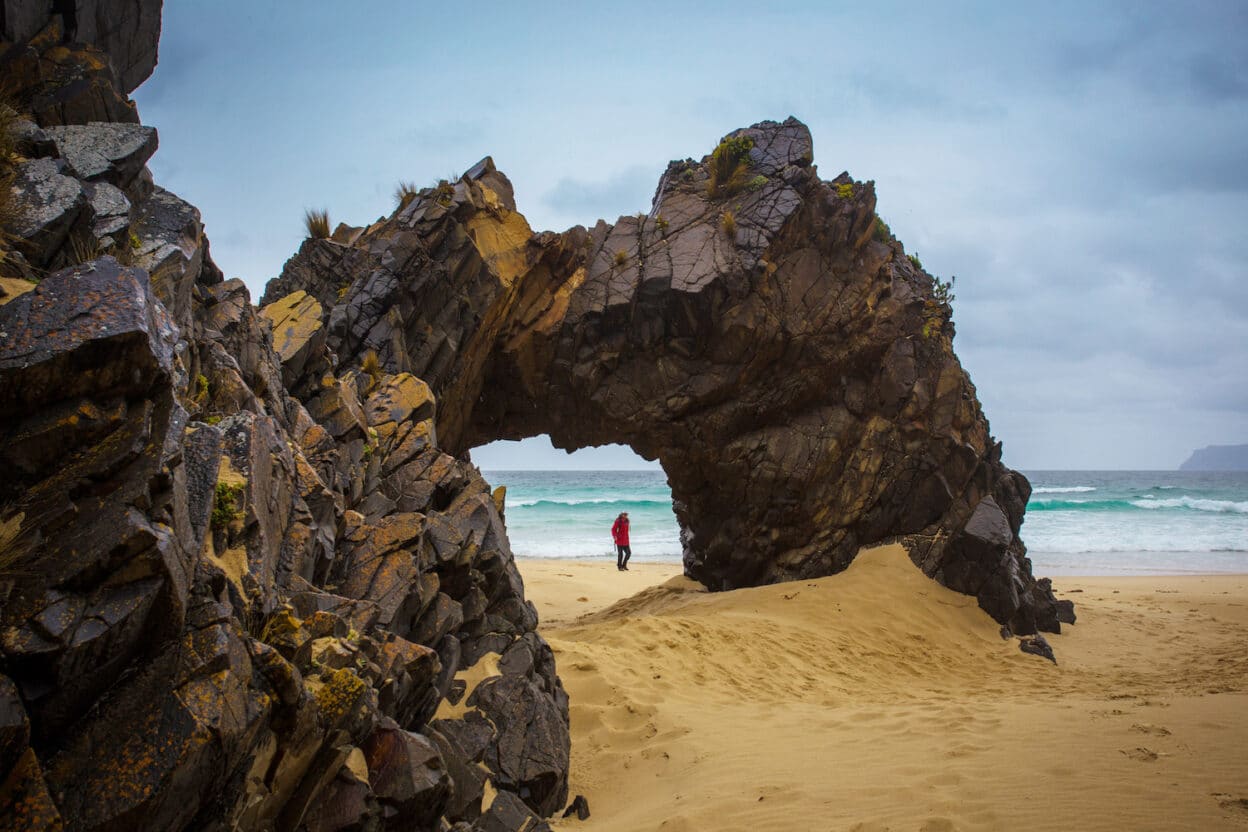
x,y
625,192
1219,77
895,94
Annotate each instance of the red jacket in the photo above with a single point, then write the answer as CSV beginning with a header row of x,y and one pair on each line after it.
x,y
619,531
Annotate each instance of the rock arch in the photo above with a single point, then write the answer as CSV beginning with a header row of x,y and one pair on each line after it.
x,y
767,341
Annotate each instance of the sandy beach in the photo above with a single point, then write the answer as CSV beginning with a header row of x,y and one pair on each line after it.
x,y
878,700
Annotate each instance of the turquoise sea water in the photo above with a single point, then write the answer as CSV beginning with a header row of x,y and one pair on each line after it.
x,y
1077,523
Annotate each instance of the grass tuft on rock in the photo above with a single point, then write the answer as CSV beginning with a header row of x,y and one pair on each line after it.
x,y
728,222
444,193
729,167
405,192
13,542
621,257
370,365
317,224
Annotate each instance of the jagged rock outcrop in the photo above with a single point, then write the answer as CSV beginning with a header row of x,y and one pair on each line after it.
x,y
245,562
126,32
222,605
760,333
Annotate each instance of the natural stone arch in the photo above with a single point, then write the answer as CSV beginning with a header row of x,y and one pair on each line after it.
x,y
769,343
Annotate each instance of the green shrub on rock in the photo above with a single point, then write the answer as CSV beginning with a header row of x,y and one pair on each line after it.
x,y
225,508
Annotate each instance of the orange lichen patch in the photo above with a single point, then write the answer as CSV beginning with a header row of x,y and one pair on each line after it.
x,y
554,314
11,288
316,437
503,243
398,400
24,799
499,496
295,319
492,200
440,468
397,529
413,437
283,627
164,738
339,695
399,654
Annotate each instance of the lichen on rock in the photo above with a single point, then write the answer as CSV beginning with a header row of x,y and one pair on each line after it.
x,y
248,554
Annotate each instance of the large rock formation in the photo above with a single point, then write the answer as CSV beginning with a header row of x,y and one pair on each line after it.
x,y
223,606
759,332
127,32
245,562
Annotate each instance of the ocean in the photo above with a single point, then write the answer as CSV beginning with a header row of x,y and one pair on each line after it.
x,y
1077,522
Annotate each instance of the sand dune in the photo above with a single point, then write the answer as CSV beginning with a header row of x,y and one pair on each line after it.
x,y
878,700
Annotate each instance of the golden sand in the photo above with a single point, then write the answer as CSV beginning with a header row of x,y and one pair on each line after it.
x,y
878,700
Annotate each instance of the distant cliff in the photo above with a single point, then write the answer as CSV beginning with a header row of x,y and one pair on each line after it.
x,y
1218,458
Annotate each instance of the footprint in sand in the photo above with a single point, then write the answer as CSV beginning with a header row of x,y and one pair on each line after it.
x,y
1155,730
1142,754
1228,802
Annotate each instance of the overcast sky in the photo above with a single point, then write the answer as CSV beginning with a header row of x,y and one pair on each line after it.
x,y
1081,167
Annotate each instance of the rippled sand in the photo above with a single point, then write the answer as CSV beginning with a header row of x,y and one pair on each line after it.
x,y
878,700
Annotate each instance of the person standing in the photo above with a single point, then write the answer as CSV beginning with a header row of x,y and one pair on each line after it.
x,y
619,533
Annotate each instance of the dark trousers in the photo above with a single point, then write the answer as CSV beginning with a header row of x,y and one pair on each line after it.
x,y
622,554
68,11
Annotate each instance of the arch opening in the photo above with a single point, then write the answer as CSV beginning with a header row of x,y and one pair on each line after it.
x,y
768,341
561,505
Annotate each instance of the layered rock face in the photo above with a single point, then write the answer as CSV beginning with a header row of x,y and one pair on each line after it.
x,y
759,332
224,606
245,562
126,32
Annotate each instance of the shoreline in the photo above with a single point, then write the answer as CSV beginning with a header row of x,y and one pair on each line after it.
x,y
878,700
1041,572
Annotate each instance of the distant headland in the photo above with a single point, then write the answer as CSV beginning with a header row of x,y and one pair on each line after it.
x,y
1218,458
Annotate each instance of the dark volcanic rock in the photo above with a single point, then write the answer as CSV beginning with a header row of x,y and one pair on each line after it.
x,y
103,152
222,554
248,561
407,775
126,31
1037,645
48,204
62,84
509,814
529,753
579,807
764,338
